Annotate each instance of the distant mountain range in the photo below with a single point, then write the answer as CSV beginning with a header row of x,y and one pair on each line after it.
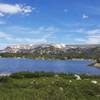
x,y
52,48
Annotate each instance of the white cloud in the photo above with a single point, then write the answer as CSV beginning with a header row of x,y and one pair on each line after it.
x,y
4,35
1,14
93,39
51,29
80,40
38,35
89,36
45,30
84,16
89,40
93,32
31,32
93,36
18,40
14,9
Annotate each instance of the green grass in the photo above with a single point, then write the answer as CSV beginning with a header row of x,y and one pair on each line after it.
x,y
49,86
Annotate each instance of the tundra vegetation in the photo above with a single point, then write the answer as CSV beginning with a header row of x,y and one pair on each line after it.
x,y
49,86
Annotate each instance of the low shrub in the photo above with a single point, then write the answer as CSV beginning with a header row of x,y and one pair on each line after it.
x,y
4,79
21,75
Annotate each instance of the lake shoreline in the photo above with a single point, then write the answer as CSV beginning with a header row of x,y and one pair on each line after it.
x,y
42,74
96,65
82,59
5,74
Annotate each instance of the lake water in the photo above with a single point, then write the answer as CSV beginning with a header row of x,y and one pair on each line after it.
x,y
9,65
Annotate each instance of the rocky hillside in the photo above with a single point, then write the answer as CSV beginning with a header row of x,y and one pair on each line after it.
x,y
57,49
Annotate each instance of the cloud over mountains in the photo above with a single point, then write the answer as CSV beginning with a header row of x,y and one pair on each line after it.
x,y
14,9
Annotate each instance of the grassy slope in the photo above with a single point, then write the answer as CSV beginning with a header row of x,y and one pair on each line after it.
x,y
49,87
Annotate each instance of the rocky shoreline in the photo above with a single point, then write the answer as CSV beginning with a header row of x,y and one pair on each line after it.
x,y
97,65
5,74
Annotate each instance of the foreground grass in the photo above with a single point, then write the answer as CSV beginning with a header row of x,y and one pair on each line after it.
x,y
49,86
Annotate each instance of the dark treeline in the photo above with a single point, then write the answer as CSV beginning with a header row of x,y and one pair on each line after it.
x,y
61,56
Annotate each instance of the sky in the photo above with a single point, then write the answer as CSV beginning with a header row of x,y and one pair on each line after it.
x,y
49,21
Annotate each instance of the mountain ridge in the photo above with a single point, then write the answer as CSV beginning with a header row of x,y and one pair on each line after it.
x,y
53,47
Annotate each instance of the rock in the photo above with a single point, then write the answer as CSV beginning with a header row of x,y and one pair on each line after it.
x,y
77,77
94,82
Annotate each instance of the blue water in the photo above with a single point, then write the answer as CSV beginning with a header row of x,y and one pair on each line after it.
x,y
9,65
